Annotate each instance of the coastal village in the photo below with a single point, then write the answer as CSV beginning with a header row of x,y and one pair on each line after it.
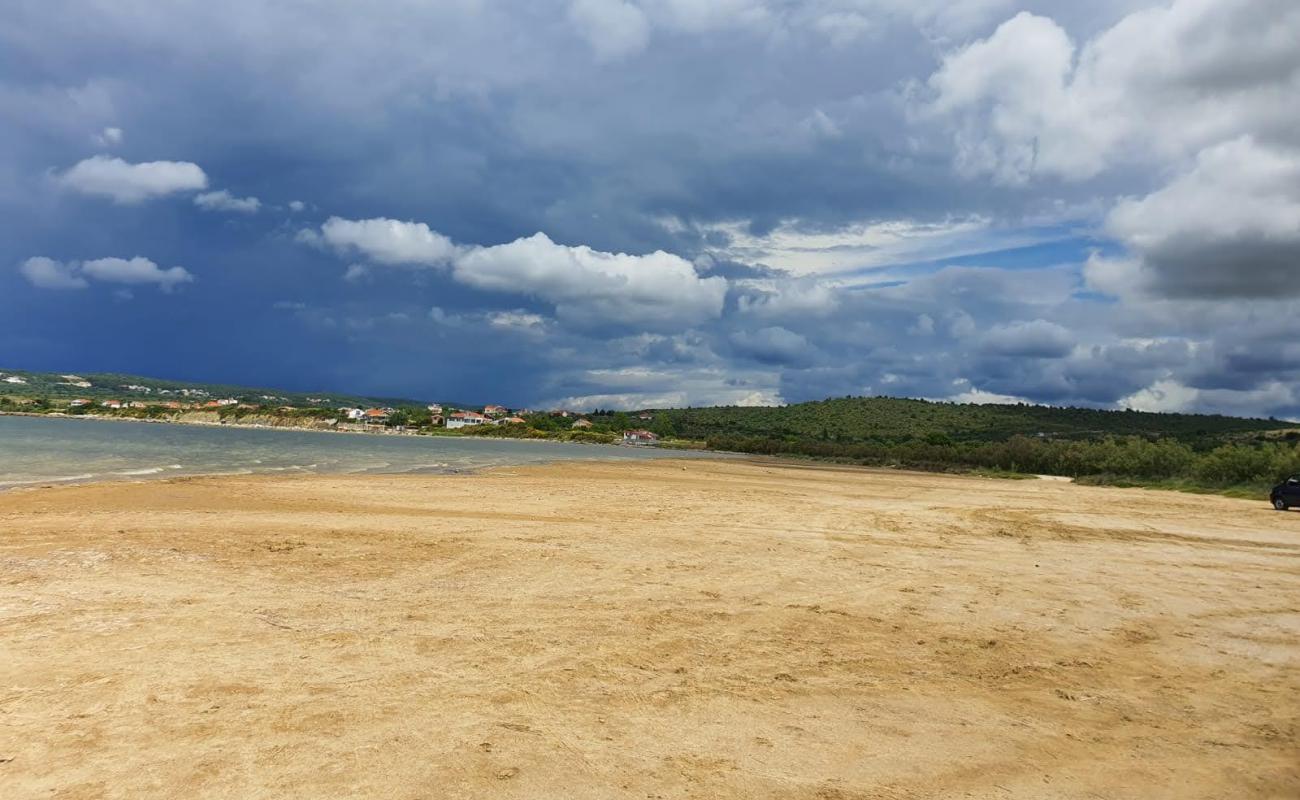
x,y
185,404
490,415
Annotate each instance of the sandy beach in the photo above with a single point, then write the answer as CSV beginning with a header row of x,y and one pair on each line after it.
x,y
663,629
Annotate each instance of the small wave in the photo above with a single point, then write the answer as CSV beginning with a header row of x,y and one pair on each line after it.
x,y
142,471
290,468
55,479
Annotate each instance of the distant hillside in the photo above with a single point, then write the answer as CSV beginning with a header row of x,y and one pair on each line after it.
x,y
134,387
892,420
1183,451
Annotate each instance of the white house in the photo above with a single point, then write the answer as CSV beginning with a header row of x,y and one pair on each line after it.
x,y
461,419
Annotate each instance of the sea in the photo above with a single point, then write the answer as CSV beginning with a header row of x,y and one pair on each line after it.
x,y
44,450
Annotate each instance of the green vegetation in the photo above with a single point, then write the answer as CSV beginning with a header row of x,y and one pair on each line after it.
x,y
1190,452
1186,451
1249,466
882,420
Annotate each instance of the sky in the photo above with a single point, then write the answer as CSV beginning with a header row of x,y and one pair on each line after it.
x,y
647,203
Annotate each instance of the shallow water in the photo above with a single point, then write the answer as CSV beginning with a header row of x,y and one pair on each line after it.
x,y
38,450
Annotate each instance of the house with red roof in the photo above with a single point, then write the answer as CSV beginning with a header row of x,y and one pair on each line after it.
x,y
376,416
642,437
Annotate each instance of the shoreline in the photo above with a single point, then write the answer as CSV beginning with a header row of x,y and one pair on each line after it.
x,y
794,460
162,468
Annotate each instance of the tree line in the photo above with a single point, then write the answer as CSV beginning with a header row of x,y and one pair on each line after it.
x,y
1250,465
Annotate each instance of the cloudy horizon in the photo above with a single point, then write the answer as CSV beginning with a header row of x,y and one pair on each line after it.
x,y
637,203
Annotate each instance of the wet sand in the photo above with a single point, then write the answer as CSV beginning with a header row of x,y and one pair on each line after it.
x,y
646,630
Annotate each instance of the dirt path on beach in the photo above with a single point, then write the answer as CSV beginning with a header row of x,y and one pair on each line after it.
x,y
646,630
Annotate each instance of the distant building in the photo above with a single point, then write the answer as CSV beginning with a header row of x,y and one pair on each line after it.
x,y
509,421
639,437
434,409
645,416
111,403
376,416
462,419
496,411
353,414
15,379
582,423
79,402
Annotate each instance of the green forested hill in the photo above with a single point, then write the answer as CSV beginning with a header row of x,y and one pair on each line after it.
x,y
887,419
1194,451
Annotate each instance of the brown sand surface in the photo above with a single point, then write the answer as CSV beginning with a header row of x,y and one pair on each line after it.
x,y
650,630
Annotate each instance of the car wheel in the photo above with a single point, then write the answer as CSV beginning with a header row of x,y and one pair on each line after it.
x,y
1280,504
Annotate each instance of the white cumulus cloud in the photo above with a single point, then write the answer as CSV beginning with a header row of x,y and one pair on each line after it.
x,y
128,183
1163,82
46,273
386,241
223,200
137,270
657,290
588,287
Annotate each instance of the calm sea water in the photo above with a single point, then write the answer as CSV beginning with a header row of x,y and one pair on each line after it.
x,y
36,450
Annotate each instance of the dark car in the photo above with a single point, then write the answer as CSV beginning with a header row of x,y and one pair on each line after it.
x,y
1286,493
